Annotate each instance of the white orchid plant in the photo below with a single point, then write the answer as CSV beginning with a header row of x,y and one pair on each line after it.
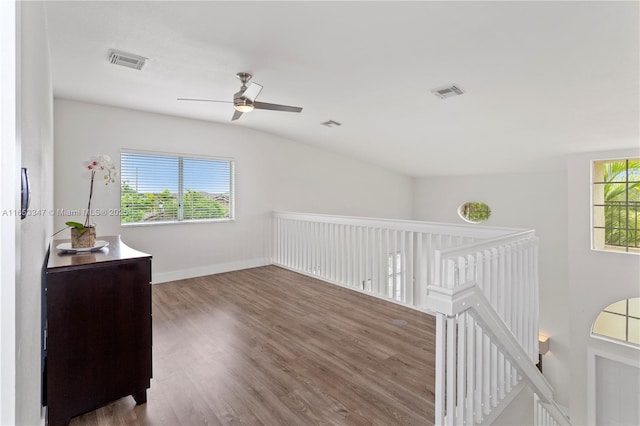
x,y
102,166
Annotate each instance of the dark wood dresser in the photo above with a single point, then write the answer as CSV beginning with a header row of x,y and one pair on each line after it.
x,y
97,333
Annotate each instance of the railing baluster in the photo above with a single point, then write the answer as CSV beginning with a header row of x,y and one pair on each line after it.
x,y
305,248
350,254
289,246
342,254
393,242
420,268
325,251
462,367
494,375
510,305
314,267
509,379
364,252
367,259
501,375
486,373
383,266
319,249
451,372
388,271
359,257
471,370
479,404
375,260
440,387
300,243
335,258
409,268
521,300
375,257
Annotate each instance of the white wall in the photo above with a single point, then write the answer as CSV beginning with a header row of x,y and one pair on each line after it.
x,y
8,199
36,149
537,201
271,174
596,279
519,412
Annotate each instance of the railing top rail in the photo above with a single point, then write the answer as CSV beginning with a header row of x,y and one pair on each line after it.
x,y
486,244
481,232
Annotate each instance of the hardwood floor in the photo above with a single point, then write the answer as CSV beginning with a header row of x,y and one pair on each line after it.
x,y
267,346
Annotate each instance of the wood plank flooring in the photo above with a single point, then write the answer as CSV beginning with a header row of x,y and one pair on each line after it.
x,y
267,346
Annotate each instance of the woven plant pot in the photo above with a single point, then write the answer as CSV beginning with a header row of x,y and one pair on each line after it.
x,y
84,239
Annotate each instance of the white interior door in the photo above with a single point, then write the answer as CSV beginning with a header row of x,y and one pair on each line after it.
x,y
617,393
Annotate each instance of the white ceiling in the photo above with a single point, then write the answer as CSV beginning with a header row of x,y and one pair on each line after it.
x,y
542,79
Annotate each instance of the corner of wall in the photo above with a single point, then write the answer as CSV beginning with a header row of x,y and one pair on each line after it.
x,y
35,152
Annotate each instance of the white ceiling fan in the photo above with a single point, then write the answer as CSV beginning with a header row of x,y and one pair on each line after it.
x,y
245,99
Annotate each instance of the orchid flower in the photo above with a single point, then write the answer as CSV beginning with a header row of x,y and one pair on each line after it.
x,y
102,165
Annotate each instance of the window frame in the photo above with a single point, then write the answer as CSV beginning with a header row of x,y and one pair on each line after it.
x,y
627,249
182,190
625,316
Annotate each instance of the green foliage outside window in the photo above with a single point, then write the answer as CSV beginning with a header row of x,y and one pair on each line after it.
x,y
622,203
197,206
163,206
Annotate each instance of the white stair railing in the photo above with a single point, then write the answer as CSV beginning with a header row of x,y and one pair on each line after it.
x,y
506,270
547,414
391,259
484,352
479,361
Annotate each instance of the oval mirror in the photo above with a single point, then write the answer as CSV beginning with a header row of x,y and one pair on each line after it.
x,y
474,211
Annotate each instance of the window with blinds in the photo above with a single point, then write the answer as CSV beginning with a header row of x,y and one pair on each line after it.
x,y
161,188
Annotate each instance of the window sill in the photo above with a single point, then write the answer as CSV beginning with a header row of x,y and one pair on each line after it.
x,y
184,222
614,249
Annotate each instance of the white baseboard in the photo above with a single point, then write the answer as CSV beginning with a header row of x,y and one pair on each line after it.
x,y
163,277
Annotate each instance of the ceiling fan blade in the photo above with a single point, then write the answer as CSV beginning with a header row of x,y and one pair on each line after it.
x,y
276,107
236,115
252,91
203,100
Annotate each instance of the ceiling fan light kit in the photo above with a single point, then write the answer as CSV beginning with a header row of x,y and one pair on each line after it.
x,y
245,99
242,105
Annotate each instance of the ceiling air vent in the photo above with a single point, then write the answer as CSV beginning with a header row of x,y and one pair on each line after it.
x,y
128,60
331,123
447,91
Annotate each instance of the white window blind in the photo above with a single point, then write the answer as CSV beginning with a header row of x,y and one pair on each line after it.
x,y
173,188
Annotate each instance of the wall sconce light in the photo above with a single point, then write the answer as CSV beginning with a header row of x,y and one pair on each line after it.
x,y
543,344
543,348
